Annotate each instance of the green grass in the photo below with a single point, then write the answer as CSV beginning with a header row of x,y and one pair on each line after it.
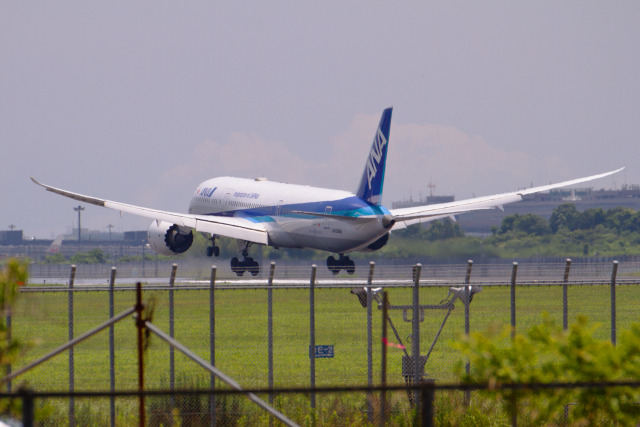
x,y
241,340
241,332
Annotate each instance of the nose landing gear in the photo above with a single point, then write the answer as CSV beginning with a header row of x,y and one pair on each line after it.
x,y
343,263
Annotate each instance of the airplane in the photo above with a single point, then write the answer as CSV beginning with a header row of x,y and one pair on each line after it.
x,y
259,211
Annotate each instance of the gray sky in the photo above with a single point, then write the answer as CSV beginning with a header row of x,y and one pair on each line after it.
x,y
140,101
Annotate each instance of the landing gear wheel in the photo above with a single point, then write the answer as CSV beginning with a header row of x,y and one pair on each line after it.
x,y
237,266
344,263
253,267
333,265
247,264
350,266
213,249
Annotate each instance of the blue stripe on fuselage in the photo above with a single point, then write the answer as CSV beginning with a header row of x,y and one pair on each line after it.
x,y
350,206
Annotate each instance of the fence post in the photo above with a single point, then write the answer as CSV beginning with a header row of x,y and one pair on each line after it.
x,y
272,270
565,317
565,296
614,273
212,342
372,266
172,366
415,340
467,325
427,405
72,406
383,368
27,408
312,334
140,327
112,352
514,274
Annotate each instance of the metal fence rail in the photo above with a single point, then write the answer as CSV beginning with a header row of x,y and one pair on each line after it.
x,y
199,269
426,409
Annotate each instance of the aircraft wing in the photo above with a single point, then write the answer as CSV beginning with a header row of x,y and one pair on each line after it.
x,y
409,216
235,227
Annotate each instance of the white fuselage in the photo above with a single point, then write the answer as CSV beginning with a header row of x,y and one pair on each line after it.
x,y
295,216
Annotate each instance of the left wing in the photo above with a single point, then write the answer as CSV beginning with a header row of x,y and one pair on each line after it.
x,y
235,227
409,216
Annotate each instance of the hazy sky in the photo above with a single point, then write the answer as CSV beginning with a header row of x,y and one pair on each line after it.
x,y
140,101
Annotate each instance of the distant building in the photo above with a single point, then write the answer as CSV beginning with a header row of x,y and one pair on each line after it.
x,y
542,204
135,236
12,243
11,237
430,200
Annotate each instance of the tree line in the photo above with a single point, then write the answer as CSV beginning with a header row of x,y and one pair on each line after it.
x,y
567,233
566,216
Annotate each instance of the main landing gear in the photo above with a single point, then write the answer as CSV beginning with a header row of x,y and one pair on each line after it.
x,y
247,264
213,249
343,263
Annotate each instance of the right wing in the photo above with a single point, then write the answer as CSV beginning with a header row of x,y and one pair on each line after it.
x,y
409,216
235,227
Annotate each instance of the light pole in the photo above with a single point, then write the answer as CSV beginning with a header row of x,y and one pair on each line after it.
x,y
79,209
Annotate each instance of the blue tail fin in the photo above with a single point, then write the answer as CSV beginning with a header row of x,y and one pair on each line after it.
x,y
372,181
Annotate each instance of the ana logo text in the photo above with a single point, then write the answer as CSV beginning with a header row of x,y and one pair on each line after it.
x,y
207,192
375,155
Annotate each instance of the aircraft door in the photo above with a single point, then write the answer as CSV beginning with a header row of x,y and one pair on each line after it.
x,y
326,226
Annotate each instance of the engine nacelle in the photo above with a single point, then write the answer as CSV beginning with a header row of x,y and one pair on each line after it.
x,y
378,244
169,239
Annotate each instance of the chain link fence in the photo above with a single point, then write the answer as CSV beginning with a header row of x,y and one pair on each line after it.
x,y
263,333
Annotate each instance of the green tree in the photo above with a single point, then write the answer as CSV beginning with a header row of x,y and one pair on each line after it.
x,y
94,256
565,215
622,219
443,229
546,353
437,230
591,218
13,275
54,259
527,224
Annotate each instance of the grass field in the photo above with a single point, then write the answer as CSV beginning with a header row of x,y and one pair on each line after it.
x,y
241,332
241,345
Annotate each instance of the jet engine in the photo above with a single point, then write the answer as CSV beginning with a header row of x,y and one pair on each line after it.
x,y
169,239
378,244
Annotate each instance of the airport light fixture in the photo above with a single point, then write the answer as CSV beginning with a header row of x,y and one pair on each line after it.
x,y
361,293
79,209
459,292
